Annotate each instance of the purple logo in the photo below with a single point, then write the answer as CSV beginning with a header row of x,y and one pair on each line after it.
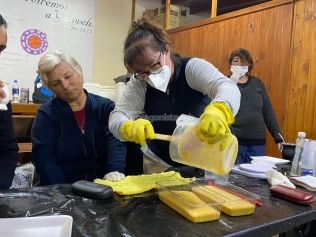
x,y
34,41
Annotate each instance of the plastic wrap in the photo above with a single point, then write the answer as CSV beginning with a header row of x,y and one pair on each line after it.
x,y
145,215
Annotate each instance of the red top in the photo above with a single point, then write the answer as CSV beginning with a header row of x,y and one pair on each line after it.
x,y
80,118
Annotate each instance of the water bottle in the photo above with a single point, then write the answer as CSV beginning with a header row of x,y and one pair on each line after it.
x,y
296,165
15,92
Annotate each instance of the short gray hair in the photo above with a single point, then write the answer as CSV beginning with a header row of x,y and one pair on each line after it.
x,y
49,61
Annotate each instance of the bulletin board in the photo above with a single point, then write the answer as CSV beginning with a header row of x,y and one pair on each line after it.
x,y
36,27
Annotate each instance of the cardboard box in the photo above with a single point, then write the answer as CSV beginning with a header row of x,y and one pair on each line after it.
x,y
149,13
159,15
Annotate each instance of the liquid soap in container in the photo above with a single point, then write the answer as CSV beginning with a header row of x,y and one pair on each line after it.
x,y
186,148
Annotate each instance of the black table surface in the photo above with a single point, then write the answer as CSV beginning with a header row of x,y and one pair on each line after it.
x,y
146,215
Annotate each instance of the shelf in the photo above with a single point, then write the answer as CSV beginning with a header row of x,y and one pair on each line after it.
x,y
192,10
24,108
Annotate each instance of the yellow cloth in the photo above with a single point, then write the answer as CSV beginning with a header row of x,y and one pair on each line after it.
x,y
140,183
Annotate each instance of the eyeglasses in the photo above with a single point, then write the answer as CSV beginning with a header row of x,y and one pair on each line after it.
x,y
156,68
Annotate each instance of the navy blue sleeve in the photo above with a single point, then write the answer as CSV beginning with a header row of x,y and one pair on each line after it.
x,y
44,149
8,148
116,149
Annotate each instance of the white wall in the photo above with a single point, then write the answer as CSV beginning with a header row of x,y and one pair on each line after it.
x,y
113,18
35,28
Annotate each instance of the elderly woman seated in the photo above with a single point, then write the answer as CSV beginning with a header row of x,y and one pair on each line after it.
x,y
70,135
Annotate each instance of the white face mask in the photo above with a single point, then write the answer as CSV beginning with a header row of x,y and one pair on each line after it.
x,y
160,81
240,70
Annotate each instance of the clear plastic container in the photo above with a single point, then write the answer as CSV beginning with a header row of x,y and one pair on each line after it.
x,y
186,148
179,195
308,157
227,198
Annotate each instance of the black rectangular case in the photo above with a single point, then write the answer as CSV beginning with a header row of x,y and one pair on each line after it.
x,y
91,190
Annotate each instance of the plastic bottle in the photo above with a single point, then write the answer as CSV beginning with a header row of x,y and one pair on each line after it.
x,y
296,165
308,158
15,92
314,167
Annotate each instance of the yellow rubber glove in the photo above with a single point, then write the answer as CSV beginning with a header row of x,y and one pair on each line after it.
x,y
137,131
214,124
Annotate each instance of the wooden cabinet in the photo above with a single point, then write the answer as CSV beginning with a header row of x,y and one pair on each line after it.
x,y
23,116
24,109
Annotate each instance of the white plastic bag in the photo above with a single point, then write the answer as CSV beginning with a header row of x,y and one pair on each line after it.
x,y
24,176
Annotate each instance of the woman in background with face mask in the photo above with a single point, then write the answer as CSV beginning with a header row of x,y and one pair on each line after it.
x,y
256,111
164,86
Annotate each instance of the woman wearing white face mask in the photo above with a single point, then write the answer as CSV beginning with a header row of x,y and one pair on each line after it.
x,y
256,111
164,86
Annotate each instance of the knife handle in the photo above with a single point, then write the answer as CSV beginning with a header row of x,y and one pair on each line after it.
x,y
163,137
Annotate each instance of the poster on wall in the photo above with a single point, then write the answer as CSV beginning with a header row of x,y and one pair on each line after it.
x,y
36,27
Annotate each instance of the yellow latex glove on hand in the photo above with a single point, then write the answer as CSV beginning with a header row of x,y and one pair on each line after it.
x,y
214,124
137,131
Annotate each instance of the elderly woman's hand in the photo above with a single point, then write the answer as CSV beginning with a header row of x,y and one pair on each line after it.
x,y
114,176
4,96
2,93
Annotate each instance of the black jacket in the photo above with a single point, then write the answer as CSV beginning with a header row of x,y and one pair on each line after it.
x,y
8,148
255,115
165,108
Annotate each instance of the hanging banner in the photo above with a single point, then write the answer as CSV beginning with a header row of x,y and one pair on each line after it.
x,y
39,26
